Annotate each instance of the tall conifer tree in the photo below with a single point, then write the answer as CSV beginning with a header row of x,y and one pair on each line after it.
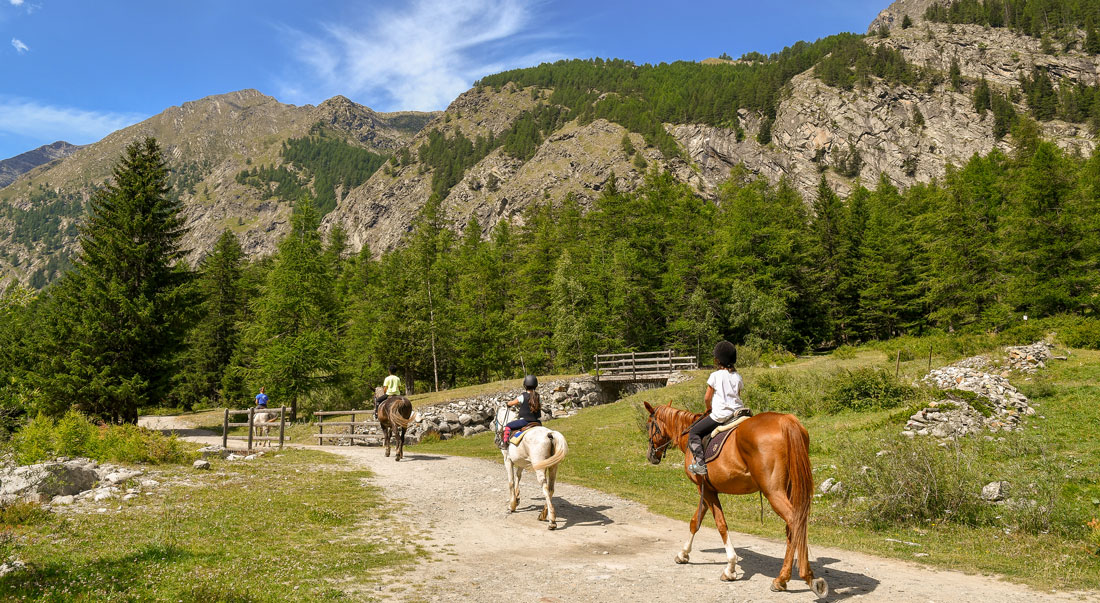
x,y
119,312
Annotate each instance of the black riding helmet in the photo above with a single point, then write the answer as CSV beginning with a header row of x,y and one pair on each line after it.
x,y
725,353
530,382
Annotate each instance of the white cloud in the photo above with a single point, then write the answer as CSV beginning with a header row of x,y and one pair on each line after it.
x,y
17,2
419,57
25,117
18,44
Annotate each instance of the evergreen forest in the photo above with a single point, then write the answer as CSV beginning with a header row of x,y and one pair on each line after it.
x,y
132,325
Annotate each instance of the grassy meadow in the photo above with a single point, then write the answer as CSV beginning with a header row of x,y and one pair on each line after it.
x,y
913,491
298,526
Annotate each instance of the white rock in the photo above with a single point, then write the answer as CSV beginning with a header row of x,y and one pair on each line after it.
x,y
201,464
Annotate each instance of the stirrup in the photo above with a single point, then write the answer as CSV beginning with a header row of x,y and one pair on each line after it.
x,y
698,468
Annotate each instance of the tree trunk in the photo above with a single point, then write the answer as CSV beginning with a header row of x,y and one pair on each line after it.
x,y
431,318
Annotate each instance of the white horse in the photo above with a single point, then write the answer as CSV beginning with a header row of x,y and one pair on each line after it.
x,y
542,450
262,422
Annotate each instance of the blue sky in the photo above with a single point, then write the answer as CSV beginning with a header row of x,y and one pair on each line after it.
x,y
77,70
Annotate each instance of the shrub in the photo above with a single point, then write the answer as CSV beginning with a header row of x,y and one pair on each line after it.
x,y
868,389
73,434
42,439
845,352
35,442
913,480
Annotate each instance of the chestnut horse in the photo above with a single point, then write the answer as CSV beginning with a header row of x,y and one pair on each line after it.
x,y
768,453
394,415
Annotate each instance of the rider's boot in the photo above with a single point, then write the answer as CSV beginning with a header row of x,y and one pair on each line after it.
x,y
698,467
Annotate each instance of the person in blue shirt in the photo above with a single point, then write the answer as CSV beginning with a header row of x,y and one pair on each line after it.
x,y
261,399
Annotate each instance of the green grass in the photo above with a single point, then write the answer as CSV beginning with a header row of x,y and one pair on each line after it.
x,y
1054,460
303,526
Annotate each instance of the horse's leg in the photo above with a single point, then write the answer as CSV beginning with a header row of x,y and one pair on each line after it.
x,y
696,521
386,436
546,480
732,572
513,483
400,443
783,507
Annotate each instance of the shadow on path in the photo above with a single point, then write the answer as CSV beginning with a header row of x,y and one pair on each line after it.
x,y
842,584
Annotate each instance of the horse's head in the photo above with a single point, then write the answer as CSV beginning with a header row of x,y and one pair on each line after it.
x,y
659,440
503,415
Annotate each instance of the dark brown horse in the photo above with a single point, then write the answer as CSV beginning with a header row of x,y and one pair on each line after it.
x,y
768,453
395,414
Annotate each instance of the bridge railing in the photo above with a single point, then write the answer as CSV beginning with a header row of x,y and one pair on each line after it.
x,y
641,366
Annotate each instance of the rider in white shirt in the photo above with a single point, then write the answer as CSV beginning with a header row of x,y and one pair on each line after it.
x,y
723,400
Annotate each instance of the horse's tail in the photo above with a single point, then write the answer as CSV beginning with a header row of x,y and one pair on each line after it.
x,y
401,412
800,482
558,448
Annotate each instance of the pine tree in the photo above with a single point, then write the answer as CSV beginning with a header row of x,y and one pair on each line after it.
x,y
119,314
214,338
825,232
294,332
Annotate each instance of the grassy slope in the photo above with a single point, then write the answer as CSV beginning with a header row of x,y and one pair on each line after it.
x,y
273,530
607,452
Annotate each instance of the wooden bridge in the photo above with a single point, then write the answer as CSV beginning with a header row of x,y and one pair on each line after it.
x,y
642,366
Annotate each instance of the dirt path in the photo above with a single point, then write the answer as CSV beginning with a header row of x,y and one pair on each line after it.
x,y
609,549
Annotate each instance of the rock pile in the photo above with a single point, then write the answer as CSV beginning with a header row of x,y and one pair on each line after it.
x,y
1028,358
977,400
64,481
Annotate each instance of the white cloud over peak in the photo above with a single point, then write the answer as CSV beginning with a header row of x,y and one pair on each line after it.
x,y
18,44
29,118
419,57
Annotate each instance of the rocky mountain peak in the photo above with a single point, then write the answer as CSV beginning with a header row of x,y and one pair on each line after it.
x,y
892,15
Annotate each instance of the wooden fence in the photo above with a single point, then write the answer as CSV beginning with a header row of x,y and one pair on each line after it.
x,y
251,412
369,438
641,366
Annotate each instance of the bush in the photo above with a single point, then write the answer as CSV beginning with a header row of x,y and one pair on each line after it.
x,y
35,442
868,389
844,352
74,435
914,480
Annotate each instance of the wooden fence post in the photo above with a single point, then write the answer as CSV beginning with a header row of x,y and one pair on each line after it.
x,y
929,357
897,367
634,366
250,413
597,356
225,429
282,424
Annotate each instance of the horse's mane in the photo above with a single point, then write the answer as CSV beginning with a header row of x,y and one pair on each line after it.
x,y
668,414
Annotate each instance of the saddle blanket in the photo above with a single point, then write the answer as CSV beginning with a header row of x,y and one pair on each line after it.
x,y
517,436
713,447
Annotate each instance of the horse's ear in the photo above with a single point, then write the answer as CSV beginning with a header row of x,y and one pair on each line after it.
x,y
648,407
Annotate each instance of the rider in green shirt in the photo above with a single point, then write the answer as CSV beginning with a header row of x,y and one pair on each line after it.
x,y
392,383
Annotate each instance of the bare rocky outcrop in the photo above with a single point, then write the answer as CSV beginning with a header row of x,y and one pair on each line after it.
x,y
43,481
13,167
892,16
207,143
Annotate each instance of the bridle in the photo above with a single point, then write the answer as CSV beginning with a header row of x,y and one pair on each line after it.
x,y
654,431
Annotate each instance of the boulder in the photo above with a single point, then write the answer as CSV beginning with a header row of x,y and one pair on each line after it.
x,y
465,419
63,500
995,491
43,481
119,476
201,464
450,417
233,457
149,483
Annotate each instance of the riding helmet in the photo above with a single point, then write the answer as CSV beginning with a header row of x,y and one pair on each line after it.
x,y
725,353
530,382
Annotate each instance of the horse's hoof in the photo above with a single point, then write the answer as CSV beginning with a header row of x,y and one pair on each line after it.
x,y
682,558
737,574
552,526
820,588
778,587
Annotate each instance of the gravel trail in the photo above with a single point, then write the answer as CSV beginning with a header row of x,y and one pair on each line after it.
x,y
608,549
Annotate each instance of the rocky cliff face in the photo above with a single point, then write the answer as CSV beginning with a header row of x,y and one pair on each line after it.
x,y
12,168
207,142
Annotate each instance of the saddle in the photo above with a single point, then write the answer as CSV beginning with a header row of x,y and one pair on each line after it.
x,y
517,436
712,444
